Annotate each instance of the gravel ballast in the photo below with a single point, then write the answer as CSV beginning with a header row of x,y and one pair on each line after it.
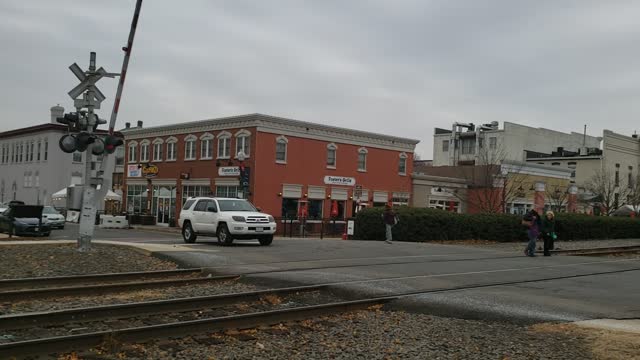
x,y
44,260
369,335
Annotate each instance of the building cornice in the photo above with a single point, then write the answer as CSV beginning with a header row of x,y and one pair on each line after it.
x,y
280,126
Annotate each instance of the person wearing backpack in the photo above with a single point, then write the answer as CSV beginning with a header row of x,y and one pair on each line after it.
x,y
532,221
390,219
548,230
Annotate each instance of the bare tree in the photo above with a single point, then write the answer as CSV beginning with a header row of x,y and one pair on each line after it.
x,y
557,197
610,192
492,185
633,195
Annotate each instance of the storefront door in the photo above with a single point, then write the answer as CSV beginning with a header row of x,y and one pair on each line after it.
x,y
164,204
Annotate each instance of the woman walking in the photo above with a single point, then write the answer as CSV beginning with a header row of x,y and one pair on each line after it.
x,y
532,220
548,231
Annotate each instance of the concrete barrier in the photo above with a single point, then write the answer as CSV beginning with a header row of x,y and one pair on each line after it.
x,y
113,222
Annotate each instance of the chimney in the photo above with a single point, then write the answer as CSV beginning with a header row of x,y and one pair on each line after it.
x,y
56,112
140,123
127,125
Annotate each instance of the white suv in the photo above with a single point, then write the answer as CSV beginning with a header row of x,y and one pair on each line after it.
x,y
227,219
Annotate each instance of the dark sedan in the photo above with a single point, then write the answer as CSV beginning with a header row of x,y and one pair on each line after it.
x,y
24,220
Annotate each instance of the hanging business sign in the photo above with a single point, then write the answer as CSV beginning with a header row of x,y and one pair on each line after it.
x,y
339,180
229,171
134,171
150,171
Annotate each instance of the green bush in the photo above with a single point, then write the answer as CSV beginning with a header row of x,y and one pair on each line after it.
x,y
430,224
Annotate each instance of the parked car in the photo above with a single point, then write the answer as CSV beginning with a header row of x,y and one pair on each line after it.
x,y
24,220
53,217
225,218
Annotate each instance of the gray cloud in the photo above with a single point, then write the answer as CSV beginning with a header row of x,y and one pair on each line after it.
x,y
400,67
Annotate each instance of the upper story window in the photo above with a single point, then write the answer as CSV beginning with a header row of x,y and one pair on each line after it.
x,y
144,151
39,150
224,145
190,147
281,149
445,145
133,152
468,146
21,152
206,146
171,148
402,164
120,155
493,143
332,150
77,157
362,159
157,149
243,139
46,149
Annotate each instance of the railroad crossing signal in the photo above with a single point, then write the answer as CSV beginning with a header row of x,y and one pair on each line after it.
x,y
88,82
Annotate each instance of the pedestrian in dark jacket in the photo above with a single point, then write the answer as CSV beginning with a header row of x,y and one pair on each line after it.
x,y
532,221
389,218
548,230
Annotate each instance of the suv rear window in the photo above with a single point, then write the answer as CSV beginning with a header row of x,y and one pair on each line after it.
x,y
188,204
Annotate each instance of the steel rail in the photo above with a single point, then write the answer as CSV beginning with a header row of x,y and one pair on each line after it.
x,y
185,328
95,313
105,288
38,282
598,250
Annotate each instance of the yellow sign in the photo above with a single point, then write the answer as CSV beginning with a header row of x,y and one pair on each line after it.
x,y
150,171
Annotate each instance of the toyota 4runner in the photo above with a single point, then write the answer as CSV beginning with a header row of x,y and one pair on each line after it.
x,y
227,219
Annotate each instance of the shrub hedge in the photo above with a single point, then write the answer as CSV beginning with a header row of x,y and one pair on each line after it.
x,y
430,224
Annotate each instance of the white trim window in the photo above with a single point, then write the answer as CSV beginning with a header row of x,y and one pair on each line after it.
x,y
46,149
362,159
157,149
190,147
224,145
39,149
332,151
402,164
77,157
171,149
133,152
243,140
144,151
206,146
281,149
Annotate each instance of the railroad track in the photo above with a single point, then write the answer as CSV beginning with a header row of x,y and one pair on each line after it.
x,y
61,344
599,251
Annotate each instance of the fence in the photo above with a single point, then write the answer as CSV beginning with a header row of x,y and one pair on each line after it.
x,y
304,227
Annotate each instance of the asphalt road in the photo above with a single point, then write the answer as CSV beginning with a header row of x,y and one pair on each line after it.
x,y
521,289
496,284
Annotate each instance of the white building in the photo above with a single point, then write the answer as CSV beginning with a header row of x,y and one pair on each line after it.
x,y
32,166
463,143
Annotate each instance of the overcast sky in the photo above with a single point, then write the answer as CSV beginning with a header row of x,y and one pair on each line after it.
x,y
395,67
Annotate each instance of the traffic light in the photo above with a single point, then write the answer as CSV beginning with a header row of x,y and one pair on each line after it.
x,y
72,120
71,143
111,143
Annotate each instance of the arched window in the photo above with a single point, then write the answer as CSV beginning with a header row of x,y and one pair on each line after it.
x,y
171,148
133,151
281,149
362,159
243,139
206,146
402,164
144,151
224,145
157,149
332,150
190,147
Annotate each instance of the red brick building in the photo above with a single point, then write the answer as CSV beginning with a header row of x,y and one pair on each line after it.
x,y
295,167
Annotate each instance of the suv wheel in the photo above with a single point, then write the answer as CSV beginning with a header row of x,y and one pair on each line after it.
x,y
187,233
266,240
224,236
